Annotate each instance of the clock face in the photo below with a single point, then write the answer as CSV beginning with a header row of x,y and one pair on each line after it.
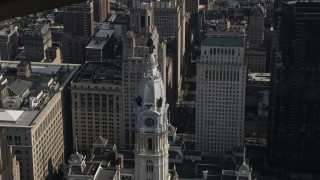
x,y
149,122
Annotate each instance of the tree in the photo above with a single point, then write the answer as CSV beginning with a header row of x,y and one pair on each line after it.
x,y
62,173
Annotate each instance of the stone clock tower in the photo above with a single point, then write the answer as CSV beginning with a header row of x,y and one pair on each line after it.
x,y
151,147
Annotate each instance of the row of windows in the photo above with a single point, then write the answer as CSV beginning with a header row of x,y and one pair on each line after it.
x,y
221,51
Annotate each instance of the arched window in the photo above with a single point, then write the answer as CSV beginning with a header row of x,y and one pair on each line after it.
x,y
149,166
149,144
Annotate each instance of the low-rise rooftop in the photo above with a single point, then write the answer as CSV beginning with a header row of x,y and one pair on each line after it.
x,y
223,41
99,72
262,77
29,96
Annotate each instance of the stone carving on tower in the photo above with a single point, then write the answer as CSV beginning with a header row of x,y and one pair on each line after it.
x,y
151,147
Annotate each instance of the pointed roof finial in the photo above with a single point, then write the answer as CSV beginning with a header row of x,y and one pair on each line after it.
x,y
244,154
76,145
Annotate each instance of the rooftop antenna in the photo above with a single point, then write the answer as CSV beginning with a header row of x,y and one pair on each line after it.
x,y
76,145
244,154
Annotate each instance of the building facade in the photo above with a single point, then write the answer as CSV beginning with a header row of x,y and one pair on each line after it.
x,y
8,43
35,130
78,30
78,19
294,97
37,40
220,96
100,10
9,168
169,18
256,59
256,25
96,105
152,147
74,48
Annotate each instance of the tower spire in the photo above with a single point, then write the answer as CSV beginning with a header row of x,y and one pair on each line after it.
x,y
244,154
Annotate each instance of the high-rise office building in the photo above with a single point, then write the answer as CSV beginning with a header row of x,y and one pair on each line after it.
x,y
33,117
256,25
8,43
37,39
78,19
74,48
96,104
192,7
169,18
136,46
9,168
293,133
100,10
100,48
78,30
220,103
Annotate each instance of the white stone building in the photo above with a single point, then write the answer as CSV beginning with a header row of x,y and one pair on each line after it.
x,y
35,131
152,147
221,82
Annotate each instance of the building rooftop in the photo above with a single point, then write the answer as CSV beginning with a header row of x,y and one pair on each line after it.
x,y
121,19
22,110
262,77
90,169
223,41
19,86
99,72
96,44
10,115
5,32
39,29
102,37
104,174
104,33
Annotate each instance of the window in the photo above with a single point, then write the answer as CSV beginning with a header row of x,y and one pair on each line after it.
x,y
149,166
149,144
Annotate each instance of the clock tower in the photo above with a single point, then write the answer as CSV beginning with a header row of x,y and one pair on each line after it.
x,y
151,147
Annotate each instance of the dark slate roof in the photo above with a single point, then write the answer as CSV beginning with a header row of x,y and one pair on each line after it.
x,y
223,41
100,140
19,86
